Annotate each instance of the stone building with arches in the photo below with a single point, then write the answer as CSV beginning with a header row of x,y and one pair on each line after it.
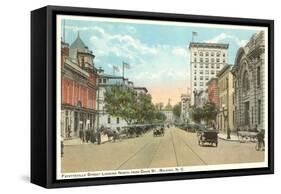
x,y
249,84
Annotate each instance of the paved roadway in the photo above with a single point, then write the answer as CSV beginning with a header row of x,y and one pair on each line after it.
x,y
175,148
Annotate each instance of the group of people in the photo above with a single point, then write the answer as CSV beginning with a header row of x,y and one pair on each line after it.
x,y
90,135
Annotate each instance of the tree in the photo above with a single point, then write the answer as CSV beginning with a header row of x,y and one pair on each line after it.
x,y
197,114
210,112
120,102
177,110
124,102
160,116
145,110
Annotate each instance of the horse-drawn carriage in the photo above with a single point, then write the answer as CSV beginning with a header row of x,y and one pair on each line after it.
x,y
159,130
209,136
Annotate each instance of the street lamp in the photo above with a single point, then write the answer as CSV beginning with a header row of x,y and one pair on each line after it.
x,y
225,116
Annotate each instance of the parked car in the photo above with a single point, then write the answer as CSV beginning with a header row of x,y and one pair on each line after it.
x,y
208,136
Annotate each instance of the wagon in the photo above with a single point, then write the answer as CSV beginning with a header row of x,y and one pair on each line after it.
x,y
158,131
208,136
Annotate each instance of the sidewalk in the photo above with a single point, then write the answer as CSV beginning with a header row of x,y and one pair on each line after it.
x,y
78,141
233,137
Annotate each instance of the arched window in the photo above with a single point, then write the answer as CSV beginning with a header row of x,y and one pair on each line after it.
x,y
246,82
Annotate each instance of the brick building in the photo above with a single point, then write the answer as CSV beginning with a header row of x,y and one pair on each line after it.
x,y
213,95
78,88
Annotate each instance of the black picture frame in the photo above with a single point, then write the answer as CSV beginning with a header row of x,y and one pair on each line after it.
x,y
43,92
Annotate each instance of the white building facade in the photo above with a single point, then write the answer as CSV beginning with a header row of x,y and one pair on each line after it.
x,y
185,105
206,60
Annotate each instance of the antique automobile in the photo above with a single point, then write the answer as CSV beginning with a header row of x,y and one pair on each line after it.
x,y
209,136
158,131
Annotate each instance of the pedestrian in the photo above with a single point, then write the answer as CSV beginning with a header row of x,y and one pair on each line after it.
x,y
87,135
99,137
62,146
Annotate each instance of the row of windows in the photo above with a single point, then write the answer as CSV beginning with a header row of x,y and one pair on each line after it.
x,y
201,78
200,84
207,66
102,80
207,60
212,72
201,53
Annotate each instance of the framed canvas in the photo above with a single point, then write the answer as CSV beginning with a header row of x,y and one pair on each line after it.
x,y
125,96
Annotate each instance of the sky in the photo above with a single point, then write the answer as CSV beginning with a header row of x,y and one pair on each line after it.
x,y
157,53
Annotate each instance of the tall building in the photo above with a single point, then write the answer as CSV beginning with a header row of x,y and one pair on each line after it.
x,y
206,60
78,88
226,116
250,84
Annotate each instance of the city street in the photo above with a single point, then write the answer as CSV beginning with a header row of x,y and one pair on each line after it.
x,y
175,148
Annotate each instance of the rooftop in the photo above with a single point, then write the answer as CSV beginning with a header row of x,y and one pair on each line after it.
x,y
224,69
208,45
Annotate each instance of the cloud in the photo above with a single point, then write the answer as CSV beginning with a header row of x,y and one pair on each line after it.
x,y
224,36
181,52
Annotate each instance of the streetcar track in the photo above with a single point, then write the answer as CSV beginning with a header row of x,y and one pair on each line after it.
x,y
176,156
133,155
155,152
189,147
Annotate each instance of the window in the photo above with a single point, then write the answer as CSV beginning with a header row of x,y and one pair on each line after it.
x,y
201,65
258,76
201,54
201,83
108,120
206,78
212,66
104,81
195,60
259,111
201,71
99,80
207,72
218,60
212,54
117,120
217,72
195,71
212,60
201,59
223,54
201,77
218,66
246,82
212,72
207,66
223,60
194,77
195,66
207,60
218,54
195,84
195,53
207,54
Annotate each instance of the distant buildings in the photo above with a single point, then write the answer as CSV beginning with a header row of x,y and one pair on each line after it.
x,y
250,84
78,88
226,116
185,107
169,115
206,60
